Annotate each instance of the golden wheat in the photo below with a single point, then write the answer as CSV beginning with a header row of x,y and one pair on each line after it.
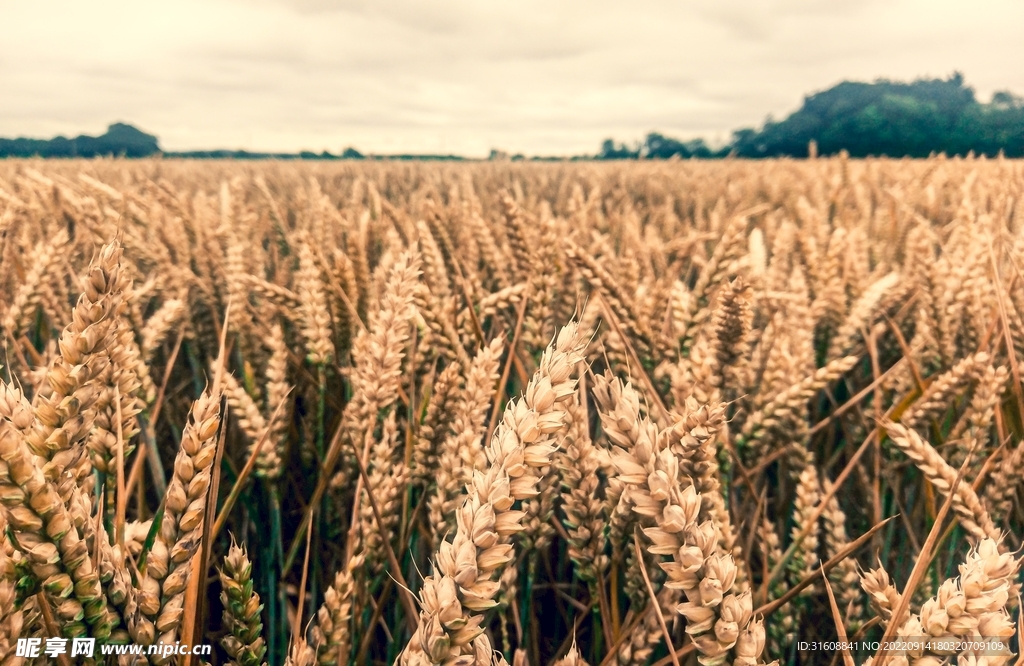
x,y
511,413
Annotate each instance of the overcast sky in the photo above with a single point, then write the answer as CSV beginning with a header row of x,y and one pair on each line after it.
x,y
540,77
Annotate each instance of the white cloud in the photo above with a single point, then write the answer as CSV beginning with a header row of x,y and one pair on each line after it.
x,y
462,76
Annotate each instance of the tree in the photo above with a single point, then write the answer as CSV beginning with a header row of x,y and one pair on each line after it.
x,y
895,119
656,146
611,151
120,139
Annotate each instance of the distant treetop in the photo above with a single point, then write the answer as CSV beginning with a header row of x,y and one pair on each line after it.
x,y
120,140
882,118
895,119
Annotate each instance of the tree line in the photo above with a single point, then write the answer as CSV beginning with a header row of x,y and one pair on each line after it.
x,y
882,118
120,139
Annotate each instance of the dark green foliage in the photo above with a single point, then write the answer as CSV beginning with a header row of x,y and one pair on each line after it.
x,y
894,119
611,151
655,146
881,118
120,139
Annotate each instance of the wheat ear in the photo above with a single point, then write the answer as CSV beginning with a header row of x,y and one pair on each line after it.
x,y
719,622
180,535
844,577
315,317
942,390
160,324
462,452
449,629
972,608
333,633
572,658
438,418
1002,489
268,460
379,352
247,412
64,416
584,511
23,308
274,293
973,514
42,528
12,619
244,641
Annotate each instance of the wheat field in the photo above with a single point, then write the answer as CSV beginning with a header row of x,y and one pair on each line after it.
x,y
724,412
